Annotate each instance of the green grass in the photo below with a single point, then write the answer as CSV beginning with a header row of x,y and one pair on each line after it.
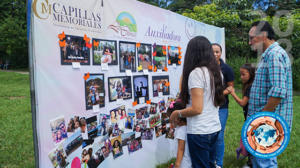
x,y
16,140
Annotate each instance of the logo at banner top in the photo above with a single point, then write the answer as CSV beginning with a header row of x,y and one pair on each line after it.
x,y
190,28
125,19
265,135
41,9
126,25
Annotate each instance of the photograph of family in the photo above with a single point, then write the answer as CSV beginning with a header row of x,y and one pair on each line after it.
x,y
160,57
141,87
58,129
119,88
127,56
104,51
94,91
104,124
74,50
144,56
173,54
58,157
160,84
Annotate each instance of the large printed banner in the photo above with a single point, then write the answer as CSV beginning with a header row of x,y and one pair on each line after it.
x,y
104,74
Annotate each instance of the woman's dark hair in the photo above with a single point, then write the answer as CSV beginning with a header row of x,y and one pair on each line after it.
x,y
199,53
266,27
176,105
251,71
118,145
217,45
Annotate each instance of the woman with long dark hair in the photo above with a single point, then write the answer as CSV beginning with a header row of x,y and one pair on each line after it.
x,y
202,92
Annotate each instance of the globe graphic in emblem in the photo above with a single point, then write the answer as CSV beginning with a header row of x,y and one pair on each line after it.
x,y
265,135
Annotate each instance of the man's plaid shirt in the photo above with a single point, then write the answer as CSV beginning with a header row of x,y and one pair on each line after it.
x,y
273,78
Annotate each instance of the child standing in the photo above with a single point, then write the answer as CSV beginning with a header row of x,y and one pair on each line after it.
x,y
247,76
183,159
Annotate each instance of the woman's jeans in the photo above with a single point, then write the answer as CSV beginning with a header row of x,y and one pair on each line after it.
x,y
202,149
220,145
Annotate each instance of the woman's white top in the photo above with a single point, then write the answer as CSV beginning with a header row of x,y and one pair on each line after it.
x,y
208,121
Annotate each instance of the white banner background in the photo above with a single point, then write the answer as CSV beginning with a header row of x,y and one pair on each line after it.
x,y
60,89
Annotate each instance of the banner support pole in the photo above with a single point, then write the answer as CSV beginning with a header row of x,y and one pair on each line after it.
x,y
32,87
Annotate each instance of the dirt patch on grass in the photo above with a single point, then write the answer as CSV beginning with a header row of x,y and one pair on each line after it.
x,y
16,97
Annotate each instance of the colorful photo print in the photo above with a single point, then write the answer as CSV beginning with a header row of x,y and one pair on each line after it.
x,y
74,50
105,149
158,131
160,84
153,108
141,87
127,137
129,122
135,145
92,128
144,56
119,88
117,146
58,129
159,57
87,142
82,125
104,51
170,99
92,157
164,118
154,120
117,114
147,134
142,113
140,125
127,56
94,91
163,128
131,112
170,133
117,130
104,124
73,124
73,142
173,54
162,106
58,157
105,146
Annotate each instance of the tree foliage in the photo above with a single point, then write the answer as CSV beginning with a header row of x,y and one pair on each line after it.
x,y
13,39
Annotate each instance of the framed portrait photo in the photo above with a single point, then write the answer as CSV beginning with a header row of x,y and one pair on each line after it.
x,y
119,88
144,55
160,56
161,84
141,87
104,51
94,91
74,50
127,56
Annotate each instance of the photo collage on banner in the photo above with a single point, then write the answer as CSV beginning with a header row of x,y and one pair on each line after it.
x,y
100,135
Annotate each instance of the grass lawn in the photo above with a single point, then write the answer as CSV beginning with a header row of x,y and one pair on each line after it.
x,y
16,140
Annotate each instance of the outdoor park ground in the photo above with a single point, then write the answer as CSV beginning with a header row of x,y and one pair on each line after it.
x,y
16,140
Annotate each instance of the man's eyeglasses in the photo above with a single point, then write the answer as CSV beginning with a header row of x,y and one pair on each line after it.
x,y
251,38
